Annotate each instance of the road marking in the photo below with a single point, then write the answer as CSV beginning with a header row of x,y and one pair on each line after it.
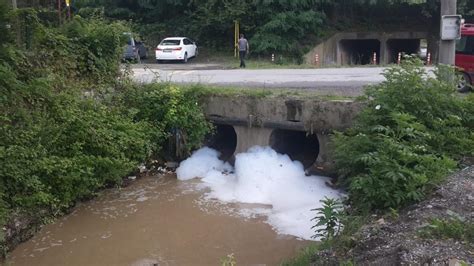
x,y
188,72
181,72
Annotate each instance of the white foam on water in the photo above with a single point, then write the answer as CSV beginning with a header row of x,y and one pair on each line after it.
x,y
200,163
262,176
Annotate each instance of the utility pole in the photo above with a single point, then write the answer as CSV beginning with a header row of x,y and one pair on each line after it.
x,y
447,47
68,6
59,12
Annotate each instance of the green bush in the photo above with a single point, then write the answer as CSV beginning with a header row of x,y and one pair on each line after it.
x,y
406,140
168,109
58,147
85,50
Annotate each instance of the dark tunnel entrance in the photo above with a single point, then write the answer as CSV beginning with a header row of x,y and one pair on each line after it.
x,y
404,46
223,140
296,144
359,52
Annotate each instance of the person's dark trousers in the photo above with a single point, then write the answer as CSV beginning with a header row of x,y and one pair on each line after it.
x,y
242,58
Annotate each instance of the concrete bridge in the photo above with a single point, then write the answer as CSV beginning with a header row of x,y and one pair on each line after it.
x,y
298,127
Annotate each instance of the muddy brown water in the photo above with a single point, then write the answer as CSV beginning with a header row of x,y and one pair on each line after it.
x,y
156,220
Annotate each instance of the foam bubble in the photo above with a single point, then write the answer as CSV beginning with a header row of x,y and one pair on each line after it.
x,y
200,163
263,176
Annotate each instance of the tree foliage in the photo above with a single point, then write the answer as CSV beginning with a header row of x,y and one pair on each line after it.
x,y
273,26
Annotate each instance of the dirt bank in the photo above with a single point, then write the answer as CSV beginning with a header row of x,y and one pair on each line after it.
x,y
397,241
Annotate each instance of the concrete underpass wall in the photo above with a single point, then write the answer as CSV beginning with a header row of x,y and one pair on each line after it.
x,y
346,48
250,136
255,119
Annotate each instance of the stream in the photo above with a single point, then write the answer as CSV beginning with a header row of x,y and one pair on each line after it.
x,y
258,212
157,220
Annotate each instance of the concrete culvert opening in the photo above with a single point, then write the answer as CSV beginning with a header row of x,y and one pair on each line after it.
x,y
359,52
223,140
404,46
296,144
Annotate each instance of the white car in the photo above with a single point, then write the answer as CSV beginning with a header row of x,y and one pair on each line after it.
x,y
176,48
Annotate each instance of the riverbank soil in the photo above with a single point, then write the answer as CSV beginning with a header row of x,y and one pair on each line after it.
x,y
398,241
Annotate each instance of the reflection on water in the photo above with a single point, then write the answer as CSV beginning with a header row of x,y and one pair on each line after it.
x,y
157,220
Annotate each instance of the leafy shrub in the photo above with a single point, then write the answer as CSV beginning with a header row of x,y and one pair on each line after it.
x,y
82,49
57,147
406,140
168,109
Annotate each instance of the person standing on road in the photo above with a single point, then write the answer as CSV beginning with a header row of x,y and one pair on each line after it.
x,y
243,50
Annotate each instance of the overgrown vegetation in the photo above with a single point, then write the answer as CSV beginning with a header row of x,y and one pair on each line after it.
x,y
67,126
57,147
406,140
411,134
167,109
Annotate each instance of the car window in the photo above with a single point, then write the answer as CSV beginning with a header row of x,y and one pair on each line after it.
x,y
465,45
170,42
186,42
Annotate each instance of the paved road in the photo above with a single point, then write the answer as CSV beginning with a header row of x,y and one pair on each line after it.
x,y
333,81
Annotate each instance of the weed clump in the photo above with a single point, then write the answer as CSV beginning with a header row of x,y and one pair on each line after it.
x,y
449,228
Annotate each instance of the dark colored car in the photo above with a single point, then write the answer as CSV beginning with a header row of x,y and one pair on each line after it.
x,y
134,50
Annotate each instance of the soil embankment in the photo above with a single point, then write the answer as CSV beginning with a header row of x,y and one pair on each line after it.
x,y
399,242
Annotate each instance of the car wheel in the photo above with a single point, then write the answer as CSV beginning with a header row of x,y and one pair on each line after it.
x,y
185,59
464,83
158,61
196,52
